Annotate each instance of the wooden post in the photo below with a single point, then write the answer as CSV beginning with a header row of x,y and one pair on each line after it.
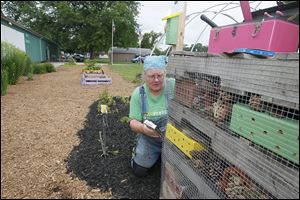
x,y
181,27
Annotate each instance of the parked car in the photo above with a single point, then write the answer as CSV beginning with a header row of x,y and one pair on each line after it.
x,y
78,57
138,59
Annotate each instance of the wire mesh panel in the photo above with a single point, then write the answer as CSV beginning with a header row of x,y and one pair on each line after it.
x,y
233,128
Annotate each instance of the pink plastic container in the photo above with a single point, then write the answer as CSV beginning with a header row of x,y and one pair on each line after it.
x,y
270,35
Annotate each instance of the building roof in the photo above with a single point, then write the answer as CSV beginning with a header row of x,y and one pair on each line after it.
x,y
136,51
27,29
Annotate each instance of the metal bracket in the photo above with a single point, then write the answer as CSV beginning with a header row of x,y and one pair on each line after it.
x,y
257,29
233,33
217,33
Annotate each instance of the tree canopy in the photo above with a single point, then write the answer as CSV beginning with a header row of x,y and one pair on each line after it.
x,y
150,39
198,48
83,26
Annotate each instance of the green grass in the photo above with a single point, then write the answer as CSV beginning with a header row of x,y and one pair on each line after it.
x,y
98,60
128,71
123,62
102,60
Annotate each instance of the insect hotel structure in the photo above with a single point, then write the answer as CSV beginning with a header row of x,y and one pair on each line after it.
x,y
233,130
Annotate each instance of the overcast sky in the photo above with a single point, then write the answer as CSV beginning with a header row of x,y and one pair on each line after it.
x,y
152,12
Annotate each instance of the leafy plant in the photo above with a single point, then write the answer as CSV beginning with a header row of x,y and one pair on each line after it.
x,y
42,68
125,100
30,76
49,67
89,62
19,60
92,67
28,67
125,120
99,108
105,99
4,82
114,152
13,61
70,61
92,64
39,68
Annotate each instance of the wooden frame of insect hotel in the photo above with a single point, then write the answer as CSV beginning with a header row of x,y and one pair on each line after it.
x,y
233,128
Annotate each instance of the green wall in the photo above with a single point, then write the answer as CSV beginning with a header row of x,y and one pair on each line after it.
x,y
39,49
32,45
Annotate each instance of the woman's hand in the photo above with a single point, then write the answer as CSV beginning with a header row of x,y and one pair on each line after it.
x,y
150,132
138,127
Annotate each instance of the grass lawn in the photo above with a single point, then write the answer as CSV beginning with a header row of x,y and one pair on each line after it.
x,y
128,71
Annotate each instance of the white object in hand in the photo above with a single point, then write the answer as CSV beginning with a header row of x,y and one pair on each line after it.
x,y
150,124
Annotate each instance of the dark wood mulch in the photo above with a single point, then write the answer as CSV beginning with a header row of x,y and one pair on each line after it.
x,y
111,173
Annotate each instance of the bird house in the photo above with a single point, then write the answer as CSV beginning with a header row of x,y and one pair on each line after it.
x,y
171,28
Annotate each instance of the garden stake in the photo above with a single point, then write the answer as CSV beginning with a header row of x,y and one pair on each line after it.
x,y
102,134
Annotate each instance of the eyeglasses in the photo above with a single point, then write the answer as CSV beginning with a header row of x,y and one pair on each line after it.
x,y
159,77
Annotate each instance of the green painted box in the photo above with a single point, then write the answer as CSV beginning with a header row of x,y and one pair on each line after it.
x,y
280,135
171,31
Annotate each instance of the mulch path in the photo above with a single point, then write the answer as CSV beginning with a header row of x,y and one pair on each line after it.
x,y
50,144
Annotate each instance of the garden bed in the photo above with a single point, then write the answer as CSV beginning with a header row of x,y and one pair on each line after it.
x,y
49,141
112,172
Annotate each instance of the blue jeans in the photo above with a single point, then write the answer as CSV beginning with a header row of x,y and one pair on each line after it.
x,y
146,151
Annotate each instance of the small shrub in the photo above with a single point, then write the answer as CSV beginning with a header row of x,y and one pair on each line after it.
x,y
7,51
11,71
20,62
125,120
42,68
39,68
138,79
28,67
89,62
30,73
4,82
125,100
106,99
30,76
70,61
95,67
92,64
13,60
49,67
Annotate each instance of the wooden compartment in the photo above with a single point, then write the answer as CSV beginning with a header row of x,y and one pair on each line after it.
x,y
281,136
185,91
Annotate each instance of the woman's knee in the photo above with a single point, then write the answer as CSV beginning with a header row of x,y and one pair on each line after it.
x,y
138,170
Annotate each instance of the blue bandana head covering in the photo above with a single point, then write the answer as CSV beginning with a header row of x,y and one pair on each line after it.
x,y
155,62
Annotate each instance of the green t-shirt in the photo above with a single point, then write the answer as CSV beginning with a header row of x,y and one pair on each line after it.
x,y
156,105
